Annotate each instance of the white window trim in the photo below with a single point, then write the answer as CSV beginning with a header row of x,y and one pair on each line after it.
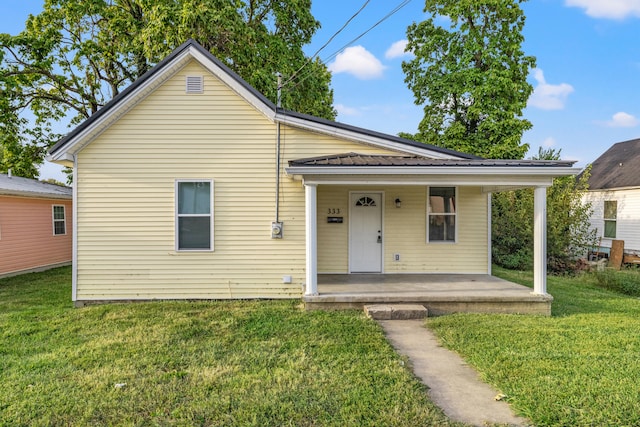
x,y
54,220
605,219
211,213
441,242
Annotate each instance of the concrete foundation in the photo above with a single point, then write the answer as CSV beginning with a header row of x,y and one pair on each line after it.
x,y
438,293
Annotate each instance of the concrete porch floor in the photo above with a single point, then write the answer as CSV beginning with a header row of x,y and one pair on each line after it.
x,y
439,293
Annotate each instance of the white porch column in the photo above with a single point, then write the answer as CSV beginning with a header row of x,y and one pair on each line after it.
x,y
540,240
310,192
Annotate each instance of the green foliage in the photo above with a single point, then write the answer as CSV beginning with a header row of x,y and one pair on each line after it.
x,y
624,281
568,229
225,363
76,55
576,368
471,76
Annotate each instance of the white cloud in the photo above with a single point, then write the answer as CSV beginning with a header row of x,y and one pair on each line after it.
x,y
549,142
613,9
622,120
397,50
547,96
358,61
347,111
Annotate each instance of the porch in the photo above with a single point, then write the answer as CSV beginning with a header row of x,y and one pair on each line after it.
x,y
439,293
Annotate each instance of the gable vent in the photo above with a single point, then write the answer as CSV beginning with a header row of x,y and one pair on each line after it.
x,y
195,84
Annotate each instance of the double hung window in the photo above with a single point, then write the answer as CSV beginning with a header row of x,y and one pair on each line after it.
x,y
194,215
610,218
441,214
59,224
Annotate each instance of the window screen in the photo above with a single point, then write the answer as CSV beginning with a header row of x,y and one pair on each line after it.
x,y
194,215
441,214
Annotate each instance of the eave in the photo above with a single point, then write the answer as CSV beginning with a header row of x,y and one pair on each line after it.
x,y
491,179
365,136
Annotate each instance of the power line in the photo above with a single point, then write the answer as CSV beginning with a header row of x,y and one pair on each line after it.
x,y
333,55
328,41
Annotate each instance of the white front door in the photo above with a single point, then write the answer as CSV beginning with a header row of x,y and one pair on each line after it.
x,y
365,233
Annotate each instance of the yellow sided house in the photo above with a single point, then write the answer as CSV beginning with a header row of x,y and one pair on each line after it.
x,y
192,185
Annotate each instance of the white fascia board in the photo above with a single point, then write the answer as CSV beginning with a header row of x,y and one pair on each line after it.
x,y
236,86
97,127
495,182
609,190
360,137
65,159
502,171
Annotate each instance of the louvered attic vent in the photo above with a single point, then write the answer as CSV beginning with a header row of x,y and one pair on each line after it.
x,y
195,84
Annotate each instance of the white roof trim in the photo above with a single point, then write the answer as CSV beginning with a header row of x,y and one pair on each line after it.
x,y
168,70
433,170
491,178
92,131
234,84
362,138
494,183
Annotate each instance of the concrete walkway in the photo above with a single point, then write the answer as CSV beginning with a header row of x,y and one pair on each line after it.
x,y
453,385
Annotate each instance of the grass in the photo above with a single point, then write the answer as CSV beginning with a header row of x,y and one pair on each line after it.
x,y
579,367
234,363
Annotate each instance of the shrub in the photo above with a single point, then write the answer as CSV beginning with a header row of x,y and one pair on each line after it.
x,y
568,228
624,281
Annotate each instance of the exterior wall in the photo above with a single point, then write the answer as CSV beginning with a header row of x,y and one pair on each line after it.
x,y
628,221
126,199
405,232
26,234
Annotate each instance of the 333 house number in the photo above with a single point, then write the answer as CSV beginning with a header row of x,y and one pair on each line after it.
x,y
333,211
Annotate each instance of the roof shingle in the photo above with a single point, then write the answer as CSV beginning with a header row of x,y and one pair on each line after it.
x,y
356,159
618,167
16,185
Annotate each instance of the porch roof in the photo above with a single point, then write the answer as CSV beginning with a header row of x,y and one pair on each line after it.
x,y
493,175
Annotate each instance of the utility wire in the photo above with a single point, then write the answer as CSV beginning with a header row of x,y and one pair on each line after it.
x,y
328,41
333,55
384,18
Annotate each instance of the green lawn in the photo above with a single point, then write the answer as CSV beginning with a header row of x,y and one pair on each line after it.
x,y
270,363
580,367
195,363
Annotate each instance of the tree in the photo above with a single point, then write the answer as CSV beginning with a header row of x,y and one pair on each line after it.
x,y
568,229
76,55
470,72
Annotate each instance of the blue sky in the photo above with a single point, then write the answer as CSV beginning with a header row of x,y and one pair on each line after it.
x,y
587,80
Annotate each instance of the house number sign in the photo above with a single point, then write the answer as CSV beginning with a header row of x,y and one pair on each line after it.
x,y
333,211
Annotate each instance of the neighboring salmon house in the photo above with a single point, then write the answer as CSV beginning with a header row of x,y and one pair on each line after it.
x,y
190,184
35,225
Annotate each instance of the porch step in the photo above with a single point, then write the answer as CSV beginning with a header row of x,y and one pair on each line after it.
x,y
395,311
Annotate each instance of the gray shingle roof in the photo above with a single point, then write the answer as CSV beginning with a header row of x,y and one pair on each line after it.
x,y
355,159
618,167
17,186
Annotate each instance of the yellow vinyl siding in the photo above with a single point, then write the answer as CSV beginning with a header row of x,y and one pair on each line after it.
x,y
405,232
126,198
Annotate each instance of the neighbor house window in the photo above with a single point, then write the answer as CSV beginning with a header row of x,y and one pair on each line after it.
x,y
194,215
59,226
441,214
610,218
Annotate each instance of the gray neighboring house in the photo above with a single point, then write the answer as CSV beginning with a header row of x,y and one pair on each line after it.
x,y
614,191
